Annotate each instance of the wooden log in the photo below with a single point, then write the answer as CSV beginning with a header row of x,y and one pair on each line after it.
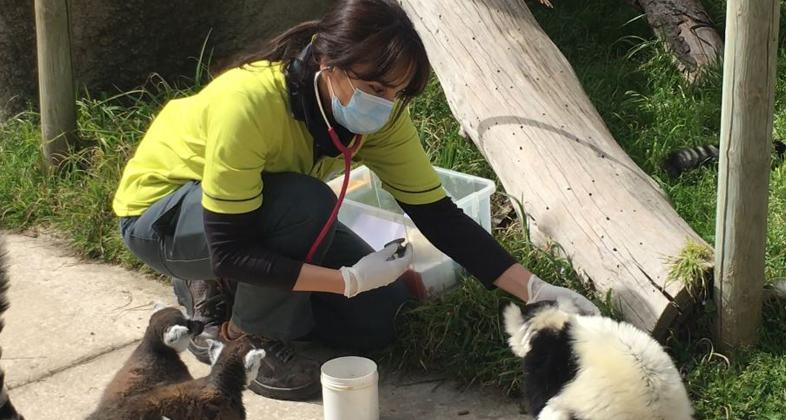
x,y
744,167
55,79
520,102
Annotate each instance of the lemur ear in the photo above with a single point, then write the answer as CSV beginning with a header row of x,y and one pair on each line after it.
x,y
214,350
252,362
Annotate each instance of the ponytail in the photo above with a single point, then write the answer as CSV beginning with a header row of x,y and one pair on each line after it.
x,y
284,47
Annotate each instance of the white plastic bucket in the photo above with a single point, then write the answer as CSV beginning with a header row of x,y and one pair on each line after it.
x,y
349,389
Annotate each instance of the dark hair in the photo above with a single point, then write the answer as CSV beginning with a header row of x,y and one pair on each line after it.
x,y
373,32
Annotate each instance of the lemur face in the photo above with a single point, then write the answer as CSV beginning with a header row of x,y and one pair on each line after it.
x,y
174,328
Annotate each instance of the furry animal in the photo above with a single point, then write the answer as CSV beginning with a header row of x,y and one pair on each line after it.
x,y
155,361
592,367
7,409
216,396
683,160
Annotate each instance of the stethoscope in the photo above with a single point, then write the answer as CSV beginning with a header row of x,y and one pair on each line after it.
x,y
347,153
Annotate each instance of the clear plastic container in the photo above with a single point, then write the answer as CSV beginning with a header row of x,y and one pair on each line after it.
x,y
373,214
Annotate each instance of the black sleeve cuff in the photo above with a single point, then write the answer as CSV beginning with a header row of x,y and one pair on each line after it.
x,y
235,253
461,238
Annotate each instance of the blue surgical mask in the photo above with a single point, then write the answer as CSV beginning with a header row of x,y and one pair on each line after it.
x,y
364,114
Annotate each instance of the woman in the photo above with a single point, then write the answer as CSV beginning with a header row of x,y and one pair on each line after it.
x,y
228,184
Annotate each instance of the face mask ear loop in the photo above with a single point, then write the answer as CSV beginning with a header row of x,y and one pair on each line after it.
x,y
349,79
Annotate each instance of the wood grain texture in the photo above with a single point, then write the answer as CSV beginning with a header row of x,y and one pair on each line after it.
x,y
55,79
744,167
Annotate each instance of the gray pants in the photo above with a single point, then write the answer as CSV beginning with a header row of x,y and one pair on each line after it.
x,y
169,237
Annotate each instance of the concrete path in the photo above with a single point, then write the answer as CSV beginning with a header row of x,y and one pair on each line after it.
x,y
73,323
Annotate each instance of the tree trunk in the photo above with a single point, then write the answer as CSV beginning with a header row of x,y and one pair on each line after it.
x,y
687,30
520,102
117,44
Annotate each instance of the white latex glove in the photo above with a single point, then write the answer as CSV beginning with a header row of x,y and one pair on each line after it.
x,y
539,290
376,270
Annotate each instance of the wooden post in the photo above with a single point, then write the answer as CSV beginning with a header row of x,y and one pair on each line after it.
x,y
55,79
746,137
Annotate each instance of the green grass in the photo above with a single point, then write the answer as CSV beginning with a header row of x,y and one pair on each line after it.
x,y
647,106
461,331
77,204
692,267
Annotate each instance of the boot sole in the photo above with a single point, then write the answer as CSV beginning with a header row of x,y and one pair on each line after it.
x,y
305,393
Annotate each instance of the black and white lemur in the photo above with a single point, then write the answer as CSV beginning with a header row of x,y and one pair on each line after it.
x,y
592,367
682,160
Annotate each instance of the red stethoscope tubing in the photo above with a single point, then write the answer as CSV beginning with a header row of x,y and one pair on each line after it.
x,y
347,153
